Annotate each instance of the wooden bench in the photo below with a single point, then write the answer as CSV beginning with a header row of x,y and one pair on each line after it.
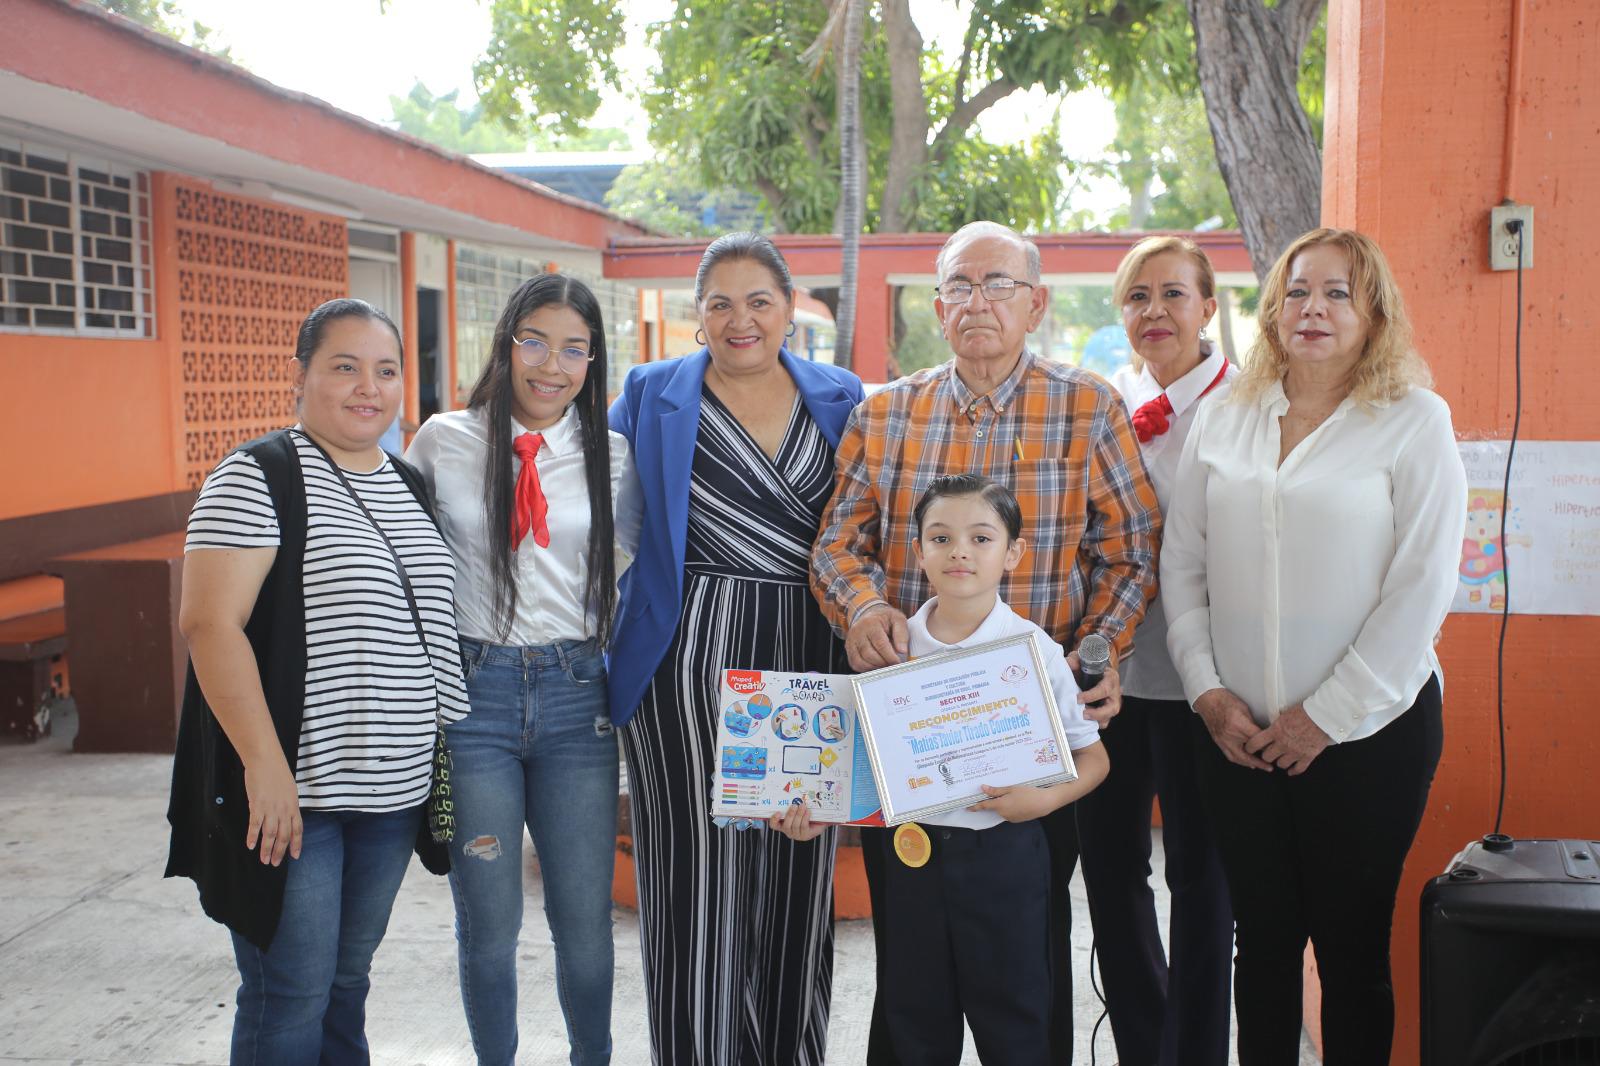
x,y
30,662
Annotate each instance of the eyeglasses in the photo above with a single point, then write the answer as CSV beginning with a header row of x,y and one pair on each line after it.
x,y
995,290
535,352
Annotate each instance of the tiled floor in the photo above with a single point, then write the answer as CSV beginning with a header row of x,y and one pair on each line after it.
x,y
103,962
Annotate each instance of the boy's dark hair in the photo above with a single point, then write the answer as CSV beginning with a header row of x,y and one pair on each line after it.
x,y
996,495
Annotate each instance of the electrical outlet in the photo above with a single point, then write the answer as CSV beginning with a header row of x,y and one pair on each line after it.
x,y
1503,241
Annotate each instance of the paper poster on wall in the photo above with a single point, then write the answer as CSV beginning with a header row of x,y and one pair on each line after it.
x,y
1552,530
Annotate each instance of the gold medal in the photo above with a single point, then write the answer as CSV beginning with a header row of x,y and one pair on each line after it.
x,y
912,846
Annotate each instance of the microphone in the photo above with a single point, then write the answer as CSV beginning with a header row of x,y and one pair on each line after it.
x,y
1094,659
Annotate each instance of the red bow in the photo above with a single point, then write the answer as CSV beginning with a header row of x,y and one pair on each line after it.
x,y
1152,419
531,506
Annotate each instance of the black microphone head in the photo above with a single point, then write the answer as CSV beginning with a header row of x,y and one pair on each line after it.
x,y
1094,654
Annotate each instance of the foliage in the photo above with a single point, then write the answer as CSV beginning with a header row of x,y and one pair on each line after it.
x,y
440,120
166,17
546,60
671,199
733,102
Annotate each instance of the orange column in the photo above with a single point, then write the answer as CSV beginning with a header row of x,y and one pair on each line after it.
x,y
164,277
1444,67
874,324
452,387
408,327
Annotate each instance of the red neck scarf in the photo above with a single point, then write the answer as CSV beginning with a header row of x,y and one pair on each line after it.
x,y
1154,418
531,507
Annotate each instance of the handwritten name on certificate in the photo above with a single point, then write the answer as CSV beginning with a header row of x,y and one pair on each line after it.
x,y
939,727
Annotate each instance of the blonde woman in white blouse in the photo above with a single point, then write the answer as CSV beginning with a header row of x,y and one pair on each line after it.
x,y
1310,557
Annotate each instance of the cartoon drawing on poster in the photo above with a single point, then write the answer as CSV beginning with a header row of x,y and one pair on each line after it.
x,y
1548,559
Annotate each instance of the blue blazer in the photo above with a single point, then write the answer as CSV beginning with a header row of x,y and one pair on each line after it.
x,y
659,413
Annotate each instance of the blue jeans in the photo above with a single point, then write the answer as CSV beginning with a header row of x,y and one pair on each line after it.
x,y
537,749
304,1000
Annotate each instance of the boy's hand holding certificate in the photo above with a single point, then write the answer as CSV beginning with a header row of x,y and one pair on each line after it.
x,y
891,745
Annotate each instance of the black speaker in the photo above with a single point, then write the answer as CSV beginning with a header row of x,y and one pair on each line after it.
x,y
1511,955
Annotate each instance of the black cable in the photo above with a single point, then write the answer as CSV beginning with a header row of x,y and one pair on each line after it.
x,y
1105,1010
1515,226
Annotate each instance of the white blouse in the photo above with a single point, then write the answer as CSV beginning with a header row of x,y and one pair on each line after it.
x,y
1321,581
1149,674
451,449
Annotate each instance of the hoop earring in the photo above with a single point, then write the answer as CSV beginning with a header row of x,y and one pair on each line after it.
x,y
1202,333
791,329
700,337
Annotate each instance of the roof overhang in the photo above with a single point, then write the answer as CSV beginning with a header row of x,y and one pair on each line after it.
x,y
71,73
908,258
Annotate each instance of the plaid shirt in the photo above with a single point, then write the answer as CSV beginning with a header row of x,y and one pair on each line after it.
x,y
1058,437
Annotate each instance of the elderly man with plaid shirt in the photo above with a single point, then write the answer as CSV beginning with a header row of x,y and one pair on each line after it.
x,y
1060,439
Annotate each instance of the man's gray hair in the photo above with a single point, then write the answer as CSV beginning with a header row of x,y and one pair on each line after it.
x,y
974,230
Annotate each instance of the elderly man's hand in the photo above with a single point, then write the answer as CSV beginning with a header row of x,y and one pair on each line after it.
x,y
1228,721
1109,689
877,638
1291,742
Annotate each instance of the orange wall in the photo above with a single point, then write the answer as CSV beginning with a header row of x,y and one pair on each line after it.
x,y
83,422
1416,138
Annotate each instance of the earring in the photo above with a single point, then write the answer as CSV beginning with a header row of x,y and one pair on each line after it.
x,y
791,329
1202,333
700,337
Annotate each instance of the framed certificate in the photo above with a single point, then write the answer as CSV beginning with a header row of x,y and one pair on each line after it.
x,y
940,726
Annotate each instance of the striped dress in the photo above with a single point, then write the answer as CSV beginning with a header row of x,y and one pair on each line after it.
x,y
372,694
736,926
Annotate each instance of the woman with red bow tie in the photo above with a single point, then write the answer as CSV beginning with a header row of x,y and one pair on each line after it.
x,y
1161,1012
538,503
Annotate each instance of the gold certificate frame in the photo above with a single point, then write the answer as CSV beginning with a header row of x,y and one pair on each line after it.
x,y
938,727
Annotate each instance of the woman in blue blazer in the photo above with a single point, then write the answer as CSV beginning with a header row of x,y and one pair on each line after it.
x,y
734,446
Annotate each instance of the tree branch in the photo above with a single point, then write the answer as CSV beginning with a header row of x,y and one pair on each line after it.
x,y
1297,19
773,194
968,111
964,67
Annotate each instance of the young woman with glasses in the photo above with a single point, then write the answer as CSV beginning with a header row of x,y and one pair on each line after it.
x,y
537,500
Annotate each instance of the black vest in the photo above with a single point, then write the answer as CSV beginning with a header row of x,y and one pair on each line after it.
x,y
209,809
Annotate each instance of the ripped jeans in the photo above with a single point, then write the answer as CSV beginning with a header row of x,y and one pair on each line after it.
x,y
537,749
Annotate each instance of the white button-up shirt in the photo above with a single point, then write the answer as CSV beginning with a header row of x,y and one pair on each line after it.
x,y
1149,673
1321,581
450,449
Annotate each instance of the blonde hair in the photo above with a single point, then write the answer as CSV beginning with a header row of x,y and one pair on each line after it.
x,y
1389,365
1148,249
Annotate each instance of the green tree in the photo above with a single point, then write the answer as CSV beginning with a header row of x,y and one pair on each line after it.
x,y
166,17
733,99
439,120
546,61
670,198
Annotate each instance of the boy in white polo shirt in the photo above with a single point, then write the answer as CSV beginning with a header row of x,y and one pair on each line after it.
x,y
966,930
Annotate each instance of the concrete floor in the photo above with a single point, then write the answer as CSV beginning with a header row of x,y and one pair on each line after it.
x,y
104,962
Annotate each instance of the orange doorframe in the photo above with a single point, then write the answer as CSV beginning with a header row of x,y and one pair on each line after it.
x,y
411,362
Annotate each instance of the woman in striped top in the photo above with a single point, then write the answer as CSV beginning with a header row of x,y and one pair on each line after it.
x,y
525,479
318,607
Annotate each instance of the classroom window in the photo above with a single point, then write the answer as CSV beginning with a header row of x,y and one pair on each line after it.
x,y
74,244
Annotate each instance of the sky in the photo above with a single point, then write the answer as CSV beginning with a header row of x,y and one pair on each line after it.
x,y
355,56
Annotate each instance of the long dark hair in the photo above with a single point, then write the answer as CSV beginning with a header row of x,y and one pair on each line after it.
x,y
493,395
